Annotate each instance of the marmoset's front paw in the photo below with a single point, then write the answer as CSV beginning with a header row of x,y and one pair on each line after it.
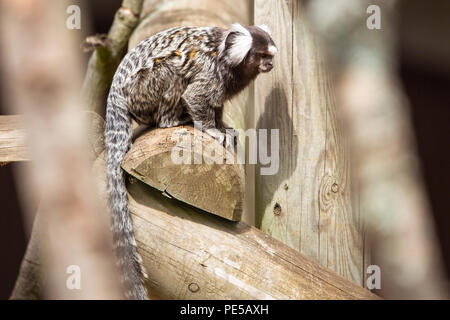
x,y
225,136
231,138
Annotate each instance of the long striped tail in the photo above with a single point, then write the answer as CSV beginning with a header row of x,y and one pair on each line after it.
x,y
118,135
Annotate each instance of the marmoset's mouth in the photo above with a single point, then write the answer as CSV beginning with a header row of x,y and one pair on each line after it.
x,y
264,69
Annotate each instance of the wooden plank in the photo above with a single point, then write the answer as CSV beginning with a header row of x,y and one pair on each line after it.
x,y
307,204
273,110
202,183
190,255
341,228
12,139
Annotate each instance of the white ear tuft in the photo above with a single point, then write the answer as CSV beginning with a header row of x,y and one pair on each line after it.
x,y
240,44
236,27
273,50
265,28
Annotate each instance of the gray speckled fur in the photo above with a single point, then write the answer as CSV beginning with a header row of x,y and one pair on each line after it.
x,y
176,76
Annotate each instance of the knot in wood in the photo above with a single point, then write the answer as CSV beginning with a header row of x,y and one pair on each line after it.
x,y
277,209
193,287
335,187
327,192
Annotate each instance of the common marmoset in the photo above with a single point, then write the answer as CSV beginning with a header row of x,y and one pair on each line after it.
x,y
176,76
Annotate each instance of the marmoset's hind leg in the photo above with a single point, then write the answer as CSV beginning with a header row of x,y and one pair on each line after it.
x,y
172,111
208,110
156,96
143,103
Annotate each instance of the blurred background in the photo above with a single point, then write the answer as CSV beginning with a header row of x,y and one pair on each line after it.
x,y
424,50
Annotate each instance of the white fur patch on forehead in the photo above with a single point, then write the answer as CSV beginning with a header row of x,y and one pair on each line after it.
x,y
240,44
265,28
272,49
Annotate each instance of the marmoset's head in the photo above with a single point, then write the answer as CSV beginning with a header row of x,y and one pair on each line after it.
x,y
250,46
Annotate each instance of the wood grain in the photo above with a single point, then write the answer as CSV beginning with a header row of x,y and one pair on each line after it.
x,y
385,160
106,57
190,255
202,183
12,139
308,203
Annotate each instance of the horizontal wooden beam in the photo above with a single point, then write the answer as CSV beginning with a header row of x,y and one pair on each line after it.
x,y
13,145
190,254
12,139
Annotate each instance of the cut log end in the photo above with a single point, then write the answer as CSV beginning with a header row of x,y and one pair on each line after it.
x,y
200,180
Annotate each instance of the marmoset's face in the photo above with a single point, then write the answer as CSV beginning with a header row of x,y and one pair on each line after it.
x,y
263,51
265,61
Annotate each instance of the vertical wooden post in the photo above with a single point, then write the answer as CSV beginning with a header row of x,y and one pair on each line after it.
x,y
307,204
385,160
160,15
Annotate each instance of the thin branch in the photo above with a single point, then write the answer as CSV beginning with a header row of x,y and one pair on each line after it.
x,y
108,54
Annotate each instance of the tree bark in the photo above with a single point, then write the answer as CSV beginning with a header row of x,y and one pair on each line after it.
x,y
107,56
12,139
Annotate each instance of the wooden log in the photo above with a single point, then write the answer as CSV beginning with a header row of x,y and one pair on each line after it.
x,y
12,139
28,285
216,188
202,183
385,160
13,146
190,255
159,15
307,204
